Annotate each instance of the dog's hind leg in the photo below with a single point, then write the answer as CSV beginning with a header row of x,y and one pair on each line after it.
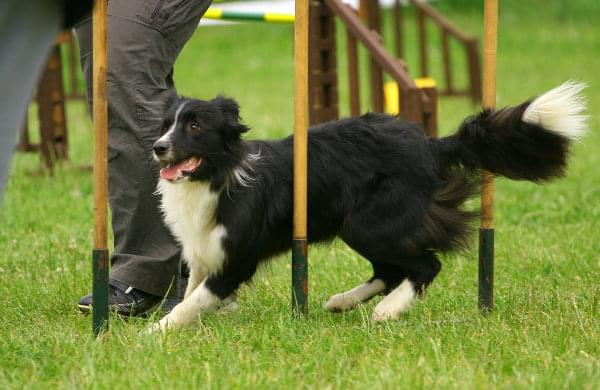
x,y
420,272
350,299
385,277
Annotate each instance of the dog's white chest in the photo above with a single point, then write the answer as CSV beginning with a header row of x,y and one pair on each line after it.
x,y
190,212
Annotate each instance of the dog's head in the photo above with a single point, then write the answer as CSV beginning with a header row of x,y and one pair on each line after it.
x,y
200,139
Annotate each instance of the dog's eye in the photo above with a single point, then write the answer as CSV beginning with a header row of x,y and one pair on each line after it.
x,y
195,127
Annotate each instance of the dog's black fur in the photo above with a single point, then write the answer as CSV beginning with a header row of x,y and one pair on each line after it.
x,y
378,183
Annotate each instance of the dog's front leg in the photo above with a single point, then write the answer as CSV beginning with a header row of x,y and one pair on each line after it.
x,y
197,275
201,300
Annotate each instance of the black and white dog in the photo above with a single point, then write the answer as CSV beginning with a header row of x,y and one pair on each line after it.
x,y
392,194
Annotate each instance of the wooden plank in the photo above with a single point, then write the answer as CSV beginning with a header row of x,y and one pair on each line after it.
x,y
474,72
375,70
399,28
388,63
422,33
447,62
353,75
440,20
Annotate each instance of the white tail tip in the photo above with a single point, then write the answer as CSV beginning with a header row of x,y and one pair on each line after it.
x,y
560,110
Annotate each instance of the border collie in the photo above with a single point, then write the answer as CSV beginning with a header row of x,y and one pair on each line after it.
x,y
392,194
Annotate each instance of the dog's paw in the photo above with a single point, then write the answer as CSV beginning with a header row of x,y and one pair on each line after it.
x,y
384,314
341,302
161,326
396,302
229,308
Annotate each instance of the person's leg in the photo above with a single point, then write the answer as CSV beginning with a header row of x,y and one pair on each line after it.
x,y
144,40
28,30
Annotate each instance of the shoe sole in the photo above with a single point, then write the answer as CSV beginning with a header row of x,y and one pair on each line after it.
x,y
85,308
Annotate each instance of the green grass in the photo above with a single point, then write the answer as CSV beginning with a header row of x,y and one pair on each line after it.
x,y
544,332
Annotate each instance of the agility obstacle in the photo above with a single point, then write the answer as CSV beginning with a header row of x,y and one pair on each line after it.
x,y
243,16
100,168
316,100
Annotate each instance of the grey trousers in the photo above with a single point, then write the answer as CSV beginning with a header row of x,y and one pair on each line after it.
x,y
144,39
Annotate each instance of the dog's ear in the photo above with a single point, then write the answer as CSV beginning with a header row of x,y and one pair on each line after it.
x,y
231,112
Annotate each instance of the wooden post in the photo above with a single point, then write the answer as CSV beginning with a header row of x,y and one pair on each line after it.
x,y
373,22
322,64
353,76
100,116
399,29
422,27
74,93
300,243
446,53
486,231
430,116
24,145
474,71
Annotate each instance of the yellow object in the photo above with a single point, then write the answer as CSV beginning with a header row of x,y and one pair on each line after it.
x,y
279,18
425,82
392,97
213,13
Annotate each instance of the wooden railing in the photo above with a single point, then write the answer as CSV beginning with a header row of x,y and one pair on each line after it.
x,y
415,104
424,13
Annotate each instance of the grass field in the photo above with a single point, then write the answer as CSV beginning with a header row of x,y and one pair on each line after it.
x,y
543,334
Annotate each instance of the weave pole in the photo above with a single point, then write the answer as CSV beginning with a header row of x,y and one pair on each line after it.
x,y
100,172
299,243
486,230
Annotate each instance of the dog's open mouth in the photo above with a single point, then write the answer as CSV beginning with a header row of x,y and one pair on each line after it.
x,y
174,172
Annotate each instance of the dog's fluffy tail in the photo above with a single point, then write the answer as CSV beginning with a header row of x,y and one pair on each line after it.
x,y
529,142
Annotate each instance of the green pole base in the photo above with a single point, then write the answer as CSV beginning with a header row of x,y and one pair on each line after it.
x,y
100,291
300,276
486,269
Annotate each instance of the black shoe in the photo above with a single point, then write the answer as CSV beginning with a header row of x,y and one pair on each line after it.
x,y
123,299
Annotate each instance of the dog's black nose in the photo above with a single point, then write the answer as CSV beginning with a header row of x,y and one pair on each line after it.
x,y
161,148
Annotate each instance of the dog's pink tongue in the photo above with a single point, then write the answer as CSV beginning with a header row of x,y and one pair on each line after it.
x,y
170,173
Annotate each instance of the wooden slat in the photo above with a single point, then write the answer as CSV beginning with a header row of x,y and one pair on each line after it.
x,y
371,42
422,33
399,29
375,70
440,20
447,62
353,75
